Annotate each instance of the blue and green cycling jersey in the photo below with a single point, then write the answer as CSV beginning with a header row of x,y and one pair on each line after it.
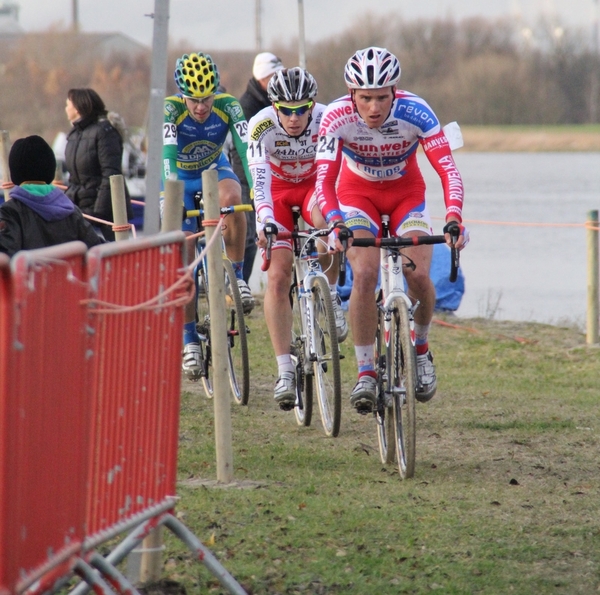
x,y
190,147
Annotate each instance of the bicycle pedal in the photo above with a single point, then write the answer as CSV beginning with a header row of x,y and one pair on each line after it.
x,y
364,407
286,406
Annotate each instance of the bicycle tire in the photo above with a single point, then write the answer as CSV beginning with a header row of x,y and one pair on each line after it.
x,y
402,373
326,364
203,328
384,414
304,387
237,342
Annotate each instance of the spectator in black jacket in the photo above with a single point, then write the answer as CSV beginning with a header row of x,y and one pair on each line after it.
x,y
252,101
38,214
255,96
94,152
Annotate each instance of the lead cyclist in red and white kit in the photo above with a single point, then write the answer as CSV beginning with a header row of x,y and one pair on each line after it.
x,y
367,167
282,143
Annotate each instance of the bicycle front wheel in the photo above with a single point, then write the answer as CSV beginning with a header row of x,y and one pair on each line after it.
x,y
203,328
402,375
237,342
326,358
304,386
384,412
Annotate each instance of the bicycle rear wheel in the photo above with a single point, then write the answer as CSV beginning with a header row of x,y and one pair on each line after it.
x,y
326,362
304,387
237,342
402,374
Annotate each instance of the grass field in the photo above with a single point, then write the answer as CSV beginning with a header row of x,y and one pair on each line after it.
x,y
532,138
505,497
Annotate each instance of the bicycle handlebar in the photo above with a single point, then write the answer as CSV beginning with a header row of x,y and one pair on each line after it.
x,y
288,235
222,210
404,242
454,232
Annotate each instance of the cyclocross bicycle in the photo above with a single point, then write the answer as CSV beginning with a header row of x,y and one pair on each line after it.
x,y
395,355
315,350
237,341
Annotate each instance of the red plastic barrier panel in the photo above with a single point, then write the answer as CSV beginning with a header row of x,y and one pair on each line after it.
x,y
5,307
44,413
136,319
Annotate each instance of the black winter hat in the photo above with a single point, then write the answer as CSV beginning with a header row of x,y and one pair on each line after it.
x,y
31,159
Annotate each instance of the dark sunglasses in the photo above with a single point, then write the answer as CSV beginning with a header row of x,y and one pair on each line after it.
x,y
299,110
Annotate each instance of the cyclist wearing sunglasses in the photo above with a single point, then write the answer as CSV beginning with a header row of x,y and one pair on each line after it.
x,y
196,123
367,167
282,142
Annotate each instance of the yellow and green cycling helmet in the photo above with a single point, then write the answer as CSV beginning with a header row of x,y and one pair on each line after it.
x,y
196,75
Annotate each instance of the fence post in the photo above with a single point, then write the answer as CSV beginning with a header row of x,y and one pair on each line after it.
x,y
218,329
173,206
4,149
592,293
119,208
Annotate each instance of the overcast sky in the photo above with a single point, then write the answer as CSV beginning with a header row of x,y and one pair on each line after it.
x,y
230,24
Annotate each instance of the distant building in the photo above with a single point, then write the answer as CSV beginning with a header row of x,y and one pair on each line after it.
x,y
101,45
9,18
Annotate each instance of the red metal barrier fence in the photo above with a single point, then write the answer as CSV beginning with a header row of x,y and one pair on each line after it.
x,y
5,307
45,413
90,356
136,381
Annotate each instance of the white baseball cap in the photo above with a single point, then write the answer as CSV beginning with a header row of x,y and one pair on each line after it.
x,y
266,64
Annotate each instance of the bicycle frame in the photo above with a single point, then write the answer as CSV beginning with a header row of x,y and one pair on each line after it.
x,y
315,349
306,271
392,288
396,353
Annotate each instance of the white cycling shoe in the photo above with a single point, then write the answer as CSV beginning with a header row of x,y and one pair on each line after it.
x,y
340,319
246,295
192,361
427,383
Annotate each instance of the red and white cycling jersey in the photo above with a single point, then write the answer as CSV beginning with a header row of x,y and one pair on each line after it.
x,y
273,155
386,153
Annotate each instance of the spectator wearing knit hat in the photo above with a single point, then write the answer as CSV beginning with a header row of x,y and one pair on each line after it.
x,y
255,97
252,101
38,214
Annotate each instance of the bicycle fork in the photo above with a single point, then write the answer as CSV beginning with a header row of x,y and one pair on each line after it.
x,y
386,363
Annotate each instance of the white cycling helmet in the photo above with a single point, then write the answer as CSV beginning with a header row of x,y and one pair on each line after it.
x,y
291,84
372,68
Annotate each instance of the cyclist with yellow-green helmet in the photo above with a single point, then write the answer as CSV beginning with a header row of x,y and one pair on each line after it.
x,y
196,123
